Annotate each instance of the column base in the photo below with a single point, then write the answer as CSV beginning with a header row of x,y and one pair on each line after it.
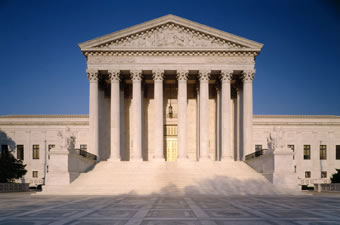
x,y
204,159
136,160
158,159
114,160
183,159
227,159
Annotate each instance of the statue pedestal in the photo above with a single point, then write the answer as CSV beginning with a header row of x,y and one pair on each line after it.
x,y
284,174
65,166
58,173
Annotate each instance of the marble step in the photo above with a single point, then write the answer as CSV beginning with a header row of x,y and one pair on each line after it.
x,y
225,178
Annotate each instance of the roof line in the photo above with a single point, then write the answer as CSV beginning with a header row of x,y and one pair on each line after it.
x,y
45,116
296,116
160,20
86,116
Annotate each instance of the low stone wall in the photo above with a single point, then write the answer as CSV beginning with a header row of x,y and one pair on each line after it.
x,y
13,187
327,187
276,166
65,166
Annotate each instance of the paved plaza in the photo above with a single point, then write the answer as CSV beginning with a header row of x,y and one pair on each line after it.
x,y
164,209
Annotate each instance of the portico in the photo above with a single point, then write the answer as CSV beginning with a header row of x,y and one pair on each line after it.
x,y
170,73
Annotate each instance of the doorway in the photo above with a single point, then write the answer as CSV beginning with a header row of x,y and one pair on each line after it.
x,y
170,145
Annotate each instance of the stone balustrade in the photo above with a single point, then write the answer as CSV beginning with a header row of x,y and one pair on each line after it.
x,y
14,187
327,187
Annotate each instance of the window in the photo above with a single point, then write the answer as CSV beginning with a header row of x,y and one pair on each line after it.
x,y
323,174
337,152
292,148
323,152
83,147
20,152
49,149
308,174
258,148
35,151
34,173
306,152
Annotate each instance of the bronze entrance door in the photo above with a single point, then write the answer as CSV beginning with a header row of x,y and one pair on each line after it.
x,y
170,145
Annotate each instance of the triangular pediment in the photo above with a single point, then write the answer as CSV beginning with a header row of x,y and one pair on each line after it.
x,y
170,33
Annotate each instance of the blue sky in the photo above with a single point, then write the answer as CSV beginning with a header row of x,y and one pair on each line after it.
x,y
43,71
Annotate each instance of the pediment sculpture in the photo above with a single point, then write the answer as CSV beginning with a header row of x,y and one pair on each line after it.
x,y
170,36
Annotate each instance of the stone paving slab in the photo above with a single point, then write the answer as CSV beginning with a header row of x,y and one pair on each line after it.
x,y
170,210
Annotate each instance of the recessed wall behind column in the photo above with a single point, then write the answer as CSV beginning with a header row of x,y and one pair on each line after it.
x,y
148,122
104,125
192,122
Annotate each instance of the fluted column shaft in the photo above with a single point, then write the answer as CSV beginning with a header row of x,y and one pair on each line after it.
x,y
136,77
158,77
226,76
182,77
238,125
93,113
115,115
204,114
247,129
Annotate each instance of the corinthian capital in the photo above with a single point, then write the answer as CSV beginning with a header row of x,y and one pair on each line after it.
x,y
158,75
248,75
204,75
92,75
136,75
114,75
226,75
182,75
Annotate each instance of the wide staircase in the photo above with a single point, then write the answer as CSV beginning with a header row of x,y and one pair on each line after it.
x,y
144,178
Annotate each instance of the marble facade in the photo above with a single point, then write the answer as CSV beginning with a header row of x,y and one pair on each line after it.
x,y
173,90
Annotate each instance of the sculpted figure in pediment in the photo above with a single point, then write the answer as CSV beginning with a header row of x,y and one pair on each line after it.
x,y
171,36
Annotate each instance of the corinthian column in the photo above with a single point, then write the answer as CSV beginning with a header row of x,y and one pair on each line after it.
x,y
247,129
226,76
115,115
136,77
93,113
158,77
182,77
204,114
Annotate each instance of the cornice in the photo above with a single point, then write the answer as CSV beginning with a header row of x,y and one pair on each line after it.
x,y
296,117
44,116
169,52
296,123
296,120
44,123
44,120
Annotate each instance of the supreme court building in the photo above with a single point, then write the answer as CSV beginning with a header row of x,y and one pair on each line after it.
x,y
169,91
